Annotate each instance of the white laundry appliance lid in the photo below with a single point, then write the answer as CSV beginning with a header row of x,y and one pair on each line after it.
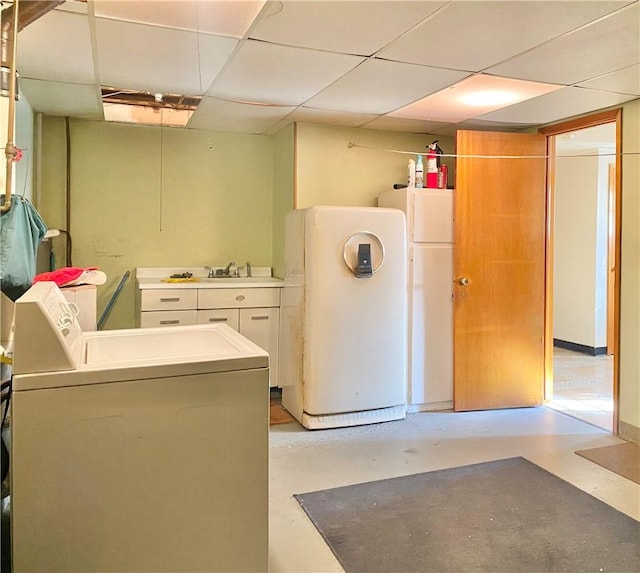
x,y
53,352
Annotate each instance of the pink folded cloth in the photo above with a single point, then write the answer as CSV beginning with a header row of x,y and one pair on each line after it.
x,y
71,276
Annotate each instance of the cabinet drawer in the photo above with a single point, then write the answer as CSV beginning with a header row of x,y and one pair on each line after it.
x,y
238,297
227,316
167,318
168,299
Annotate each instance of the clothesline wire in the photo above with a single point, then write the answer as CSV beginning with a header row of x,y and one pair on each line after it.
x,y
474,156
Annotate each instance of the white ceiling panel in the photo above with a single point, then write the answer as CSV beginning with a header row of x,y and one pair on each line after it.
x,y
228,18
54,98
57,47
474,35
609,44
347,27
387,123
220,115
322,116
214,17
380,86
148,58
557,105
344,63
183,14
625,81
263,72
213,53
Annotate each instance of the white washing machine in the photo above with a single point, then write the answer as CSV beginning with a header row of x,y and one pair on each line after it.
x,y
136,450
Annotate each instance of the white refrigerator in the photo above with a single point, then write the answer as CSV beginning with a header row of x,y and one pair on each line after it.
x,y
430,273
343,337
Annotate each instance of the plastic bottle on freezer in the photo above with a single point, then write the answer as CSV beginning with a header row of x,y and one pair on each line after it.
x,y
419,173
411,173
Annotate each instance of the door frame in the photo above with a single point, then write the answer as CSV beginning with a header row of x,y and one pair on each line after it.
x,y
609,116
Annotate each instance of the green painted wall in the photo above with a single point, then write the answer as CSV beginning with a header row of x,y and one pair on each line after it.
x,y
283,191
150,196
330,172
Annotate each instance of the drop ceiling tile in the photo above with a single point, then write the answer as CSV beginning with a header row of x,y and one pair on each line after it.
x,y
228,18
380,86
225,18
55,98
599,48
213,51
474,35
564,103
219,115
625,81
183,14
57,47
322,116
269,73
348,27
386,123
156,59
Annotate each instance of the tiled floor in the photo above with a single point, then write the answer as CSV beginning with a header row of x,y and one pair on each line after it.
x,y
583,387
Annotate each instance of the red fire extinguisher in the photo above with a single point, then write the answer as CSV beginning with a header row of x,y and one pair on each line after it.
x,y
433,165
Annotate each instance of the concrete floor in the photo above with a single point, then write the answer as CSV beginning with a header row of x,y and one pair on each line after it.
x,y
303,461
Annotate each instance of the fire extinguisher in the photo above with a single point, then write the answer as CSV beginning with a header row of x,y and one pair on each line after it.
x,y
433,165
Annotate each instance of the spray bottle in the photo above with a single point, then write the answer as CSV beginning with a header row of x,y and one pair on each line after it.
x,y
411,173
419,172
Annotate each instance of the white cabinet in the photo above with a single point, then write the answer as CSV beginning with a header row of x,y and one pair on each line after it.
x,y
430,232
254,312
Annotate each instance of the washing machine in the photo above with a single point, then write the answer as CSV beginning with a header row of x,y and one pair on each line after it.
x,y
136,450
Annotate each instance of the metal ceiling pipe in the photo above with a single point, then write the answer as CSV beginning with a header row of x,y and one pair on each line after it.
x,y
14,19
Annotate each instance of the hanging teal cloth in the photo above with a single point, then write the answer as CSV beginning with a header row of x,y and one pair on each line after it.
x,y
21,230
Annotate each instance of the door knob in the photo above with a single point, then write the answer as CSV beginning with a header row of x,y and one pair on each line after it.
x,y
464,281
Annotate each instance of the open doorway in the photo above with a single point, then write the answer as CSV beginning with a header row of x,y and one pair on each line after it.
x,y
583,251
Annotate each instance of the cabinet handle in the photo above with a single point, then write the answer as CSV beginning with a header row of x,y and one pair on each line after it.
x,y
260,317
171,299
240,297
169,322
215,319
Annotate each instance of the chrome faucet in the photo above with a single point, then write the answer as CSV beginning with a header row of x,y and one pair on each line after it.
x,y
227,269
210,273
248,269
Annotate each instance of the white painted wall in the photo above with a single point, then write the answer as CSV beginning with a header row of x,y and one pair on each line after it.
x,y
580,250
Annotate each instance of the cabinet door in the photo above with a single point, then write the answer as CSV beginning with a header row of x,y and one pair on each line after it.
x,y
227,316
167,318
431,324
432,216
261,326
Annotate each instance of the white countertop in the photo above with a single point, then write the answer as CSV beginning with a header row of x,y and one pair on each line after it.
x,y
158,278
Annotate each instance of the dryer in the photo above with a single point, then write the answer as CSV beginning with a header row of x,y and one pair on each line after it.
x,y
136,450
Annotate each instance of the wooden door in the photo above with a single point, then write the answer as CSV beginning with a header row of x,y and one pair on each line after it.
x,y
499,270
611,262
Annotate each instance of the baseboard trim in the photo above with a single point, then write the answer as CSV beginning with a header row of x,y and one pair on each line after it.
x,y
590,350
629,432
